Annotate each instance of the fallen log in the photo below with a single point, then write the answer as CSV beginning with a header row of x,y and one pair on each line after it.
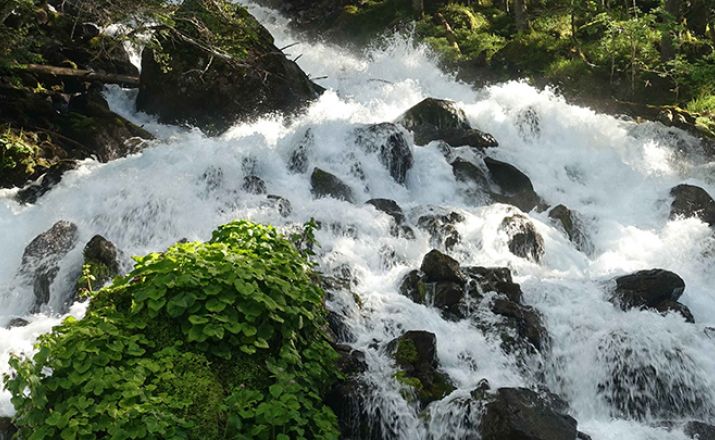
x,y
87,75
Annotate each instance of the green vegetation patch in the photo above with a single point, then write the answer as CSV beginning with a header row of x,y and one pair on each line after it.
x,y
214,340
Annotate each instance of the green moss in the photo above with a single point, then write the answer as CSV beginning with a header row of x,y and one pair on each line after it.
x,y
370,18
22,156
406,352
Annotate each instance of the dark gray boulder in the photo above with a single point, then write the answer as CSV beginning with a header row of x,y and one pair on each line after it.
x,y
494,279
439,267
522,414
570,223
655,289
324,184
391,147
525,320
515,187
648,288
523,239
692,201
254,185
101,260
438,119
40,260
467,172
415,353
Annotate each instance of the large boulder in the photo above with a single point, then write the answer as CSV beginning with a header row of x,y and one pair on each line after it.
x,y
325,184
438,119
41,258
522,414
525,321
415,353
216,66
523,239
692,201
390,145
439,267
515,187
494,279
655,289
389,207
469,173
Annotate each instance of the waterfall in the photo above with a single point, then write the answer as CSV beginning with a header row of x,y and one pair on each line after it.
x,y
615,173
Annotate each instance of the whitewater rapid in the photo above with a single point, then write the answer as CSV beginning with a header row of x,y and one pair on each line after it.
x,y
615,173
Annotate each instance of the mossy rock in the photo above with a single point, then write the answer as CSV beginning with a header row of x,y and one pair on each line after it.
x,y
217,66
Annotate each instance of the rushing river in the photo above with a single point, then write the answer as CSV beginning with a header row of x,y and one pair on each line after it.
x,y
616,174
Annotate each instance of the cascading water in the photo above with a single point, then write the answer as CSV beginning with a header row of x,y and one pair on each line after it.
x,y
615,173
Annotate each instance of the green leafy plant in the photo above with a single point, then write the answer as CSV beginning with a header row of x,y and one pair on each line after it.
x,y
214,340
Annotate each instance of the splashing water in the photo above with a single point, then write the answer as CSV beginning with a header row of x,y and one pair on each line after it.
x,y
615,173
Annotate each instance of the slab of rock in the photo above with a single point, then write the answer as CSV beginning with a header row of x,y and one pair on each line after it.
x,y
494,279
522,414
391,147
692,201
699,431
325,184
389,207
524,319
649,288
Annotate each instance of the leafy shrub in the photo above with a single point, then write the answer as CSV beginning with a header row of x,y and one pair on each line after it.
x,y
208,340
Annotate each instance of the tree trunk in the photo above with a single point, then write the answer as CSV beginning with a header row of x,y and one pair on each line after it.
x,y
88,75
520,14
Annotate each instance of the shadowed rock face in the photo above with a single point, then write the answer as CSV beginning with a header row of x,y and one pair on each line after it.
x,y
244,75
515,186
325,184
655,289
692,201
522,414
438,119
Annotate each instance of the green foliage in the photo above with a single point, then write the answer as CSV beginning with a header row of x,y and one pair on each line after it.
x,y
208,340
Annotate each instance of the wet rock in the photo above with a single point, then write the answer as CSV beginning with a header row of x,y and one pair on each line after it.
x,y
515,187
415,353
245,77
101,259
17,322
254,185
519,413
648,288
325,184
282,204
524,240
350,399
439,119
673,306
447,297
413,286
391,147
32,192
103,133
699,430
439,267
524,319
389,207
441,228
467,172
569,222
40,261
494,279
7,428
692,201
338,329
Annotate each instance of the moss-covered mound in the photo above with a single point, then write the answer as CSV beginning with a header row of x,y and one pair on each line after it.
x,y
217,64
214,340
